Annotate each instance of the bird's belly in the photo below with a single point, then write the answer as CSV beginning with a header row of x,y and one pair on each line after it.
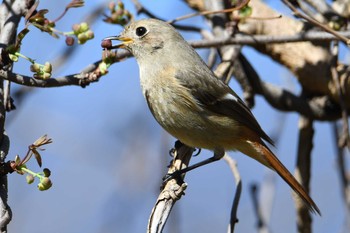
x,y
193,126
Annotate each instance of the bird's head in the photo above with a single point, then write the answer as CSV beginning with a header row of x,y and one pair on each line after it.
x,y
146,37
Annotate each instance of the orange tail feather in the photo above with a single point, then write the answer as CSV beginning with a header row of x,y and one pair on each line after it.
x,y
263,154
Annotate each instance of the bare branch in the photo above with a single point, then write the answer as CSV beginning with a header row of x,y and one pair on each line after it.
x,y
341,163
11,12
303,173
261,225
6,213
243,39
141,9
82,79
319,108
233,166
345,137
210,12
171,191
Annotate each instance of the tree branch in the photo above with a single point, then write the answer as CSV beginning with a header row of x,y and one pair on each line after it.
x,y
141,9
11,12
345,137
302,172
318,108
316,23
171,191
342,167
82,79
244,39
233,166
6,213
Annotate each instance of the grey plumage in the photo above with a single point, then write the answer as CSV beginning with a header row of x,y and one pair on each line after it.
x,y
190,103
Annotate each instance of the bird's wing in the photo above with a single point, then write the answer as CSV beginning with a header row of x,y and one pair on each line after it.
x,y
215,96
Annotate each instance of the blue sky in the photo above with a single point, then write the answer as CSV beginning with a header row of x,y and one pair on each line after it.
x,y
109,154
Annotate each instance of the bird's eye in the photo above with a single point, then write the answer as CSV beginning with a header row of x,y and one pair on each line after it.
x,y
140,31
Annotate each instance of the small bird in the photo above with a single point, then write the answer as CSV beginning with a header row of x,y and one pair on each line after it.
x,y
191,103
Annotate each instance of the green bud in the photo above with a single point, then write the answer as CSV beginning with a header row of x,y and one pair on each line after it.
x,y
30,178
47,67
76,28
44,184
90,34
46,76
46,172
13,57
82,38
335,25
35,67
41,187
103,68
84,27
17,160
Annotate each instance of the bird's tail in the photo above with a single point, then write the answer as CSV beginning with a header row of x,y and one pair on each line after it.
x,y
260,152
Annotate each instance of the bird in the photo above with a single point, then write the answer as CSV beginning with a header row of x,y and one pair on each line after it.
x,y
192,104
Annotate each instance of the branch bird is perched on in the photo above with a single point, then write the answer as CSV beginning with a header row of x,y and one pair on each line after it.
x,y
191,103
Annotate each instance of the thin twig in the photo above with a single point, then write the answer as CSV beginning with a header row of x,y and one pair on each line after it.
x,y
141,9
303,172
203,13
316,23
341,162
233,166
243,39
80,79
344,139
261,225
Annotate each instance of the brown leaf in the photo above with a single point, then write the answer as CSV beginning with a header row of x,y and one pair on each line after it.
x,y
74,4
37,157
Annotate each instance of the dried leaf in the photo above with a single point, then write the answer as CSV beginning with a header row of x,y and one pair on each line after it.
x,y
39,17
43,140
75,4
37,157
17,160
20,37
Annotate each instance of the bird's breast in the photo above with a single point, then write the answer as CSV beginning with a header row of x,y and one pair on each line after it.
x,y
176,110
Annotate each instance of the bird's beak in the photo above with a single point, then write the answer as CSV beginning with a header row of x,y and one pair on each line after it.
x,y
124,41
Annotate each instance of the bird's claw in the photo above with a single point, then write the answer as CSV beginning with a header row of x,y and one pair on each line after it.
x,y
198,151
175,175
